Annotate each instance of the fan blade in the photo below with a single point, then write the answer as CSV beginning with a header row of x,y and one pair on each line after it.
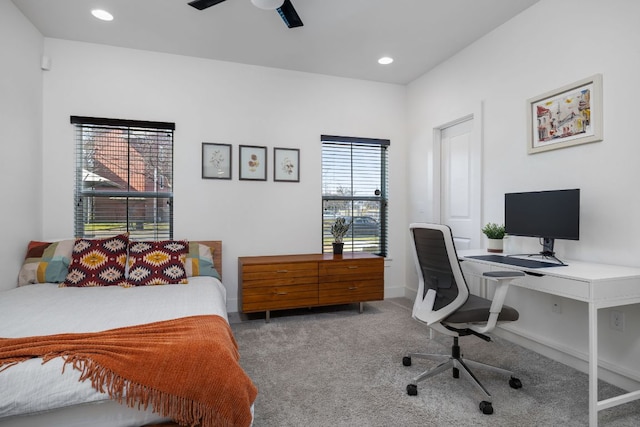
x,y
203,4
289,15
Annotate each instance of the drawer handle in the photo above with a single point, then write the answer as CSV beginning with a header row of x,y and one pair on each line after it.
x,y
280,293
352,267
282,271
529,273
353,288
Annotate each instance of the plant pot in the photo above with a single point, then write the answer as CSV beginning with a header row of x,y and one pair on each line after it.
x,y
494,245
337,248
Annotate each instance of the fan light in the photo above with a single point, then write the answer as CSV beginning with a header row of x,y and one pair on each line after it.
x,y
385,60
267,4
102,14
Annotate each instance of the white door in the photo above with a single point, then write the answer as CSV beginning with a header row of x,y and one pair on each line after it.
x,y
460,181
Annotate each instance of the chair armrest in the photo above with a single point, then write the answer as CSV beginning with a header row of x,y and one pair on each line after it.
x,y
502,275
423,309
503,279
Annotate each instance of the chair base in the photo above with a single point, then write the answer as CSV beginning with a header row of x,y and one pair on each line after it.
x,y
458,364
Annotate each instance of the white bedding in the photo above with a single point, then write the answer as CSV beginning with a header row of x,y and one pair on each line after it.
x,y
45,309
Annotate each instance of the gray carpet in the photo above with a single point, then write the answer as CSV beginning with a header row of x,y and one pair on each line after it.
x,y
334,367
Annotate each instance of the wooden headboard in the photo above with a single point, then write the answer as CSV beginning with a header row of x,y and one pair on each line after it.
x,y
216,251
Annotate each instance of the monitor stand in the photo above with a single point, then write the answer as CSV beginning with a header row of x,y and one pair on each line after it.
x,y
550,255
547,247
543,254
547,251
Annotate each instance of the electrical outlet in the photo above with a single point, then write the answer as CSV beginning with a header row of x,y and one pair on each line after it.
x,y
616,321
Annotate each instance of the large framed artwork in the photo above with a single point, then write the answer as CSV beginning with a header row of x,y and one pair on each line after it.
x,y
216,161
286,164
568,116
253,163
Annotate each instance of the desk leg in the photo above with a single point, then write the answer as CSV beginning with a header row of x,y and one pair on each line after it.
x,y
593,365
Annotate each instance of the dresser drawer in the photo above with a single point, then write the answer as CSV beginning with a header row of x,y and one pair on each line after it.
x,y
336,271
349,291
255,276
279,297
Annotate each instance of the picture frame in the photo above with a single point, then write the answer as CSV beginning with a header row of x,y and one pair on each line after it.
x,y
567,116
253,163
286,164
216,160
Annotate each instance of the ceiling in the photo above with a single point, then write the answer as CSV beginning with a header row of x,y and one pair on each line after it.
x,y
340,37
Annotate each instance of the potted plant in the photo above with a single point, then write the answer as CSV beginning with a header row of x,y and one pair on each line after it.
x,y
495,233
339,229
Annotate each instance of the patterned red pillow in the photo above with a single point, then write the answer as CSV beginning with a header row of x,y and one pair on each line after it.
x,y
157,263
98,262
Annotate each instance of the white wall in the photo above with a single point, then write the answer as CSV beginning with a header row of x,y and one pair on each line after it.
x,y
545,47
20,135
212,101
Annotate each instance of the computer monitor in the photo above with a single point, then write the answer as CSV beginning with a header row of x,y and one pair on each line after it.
x,y
548,215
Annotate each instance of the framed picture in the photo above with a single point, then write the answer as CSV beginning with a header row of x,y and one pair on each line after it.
x,y
216,161
567,116
253,163
286,164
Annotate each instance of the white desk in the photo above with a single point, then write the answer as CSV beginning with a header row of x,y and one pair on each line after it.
x,y
598,285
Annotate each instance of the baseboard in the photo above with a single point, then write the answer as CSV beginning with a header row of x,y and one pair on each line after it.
x,y
410,293
232,305
396,292
612,374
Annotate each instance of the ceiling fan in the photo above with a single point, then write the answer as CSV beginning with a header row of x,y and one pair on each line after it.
x,y
285,9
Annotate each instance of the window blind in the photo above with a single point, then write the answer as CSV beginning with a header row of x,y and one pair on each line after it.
x,y
123,178
355,186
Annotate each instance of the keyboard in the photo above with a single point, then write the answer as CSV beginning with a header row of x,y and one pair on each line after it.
x,y
520,262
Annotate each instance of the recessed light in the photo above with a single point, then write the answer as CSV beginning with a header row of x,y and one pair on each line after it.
x,y
103,15
385,60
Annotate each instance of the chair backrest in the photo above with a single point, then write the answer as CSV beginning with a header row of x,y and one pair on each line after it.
x,y
441,285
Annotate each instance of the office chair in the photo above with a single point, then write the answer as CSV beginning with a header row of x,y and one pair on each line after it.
x,y
444,303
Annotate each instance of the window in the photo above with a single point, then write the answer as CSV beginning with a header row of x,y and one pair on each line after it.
x,y
124,178
354,186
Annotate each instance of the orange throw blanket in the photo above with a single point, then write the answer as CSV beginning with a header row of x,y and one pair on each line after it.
x,y
186,369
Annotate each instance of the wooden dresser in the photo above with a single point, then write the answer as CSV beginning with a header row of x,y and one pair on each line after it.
x,y
279,282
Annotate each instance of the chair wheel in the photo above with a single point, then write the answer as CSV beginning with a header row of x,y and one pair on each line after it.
x,y
406,361
412,390
486,407
515,382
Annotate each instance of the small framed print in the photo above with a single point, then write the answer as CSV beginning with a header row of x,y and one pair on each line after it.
x,y
216,161
286,164
253,163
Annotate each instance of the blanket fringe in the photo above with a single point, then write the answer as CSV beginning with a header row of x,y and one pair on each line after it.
x,y
11,362
182,410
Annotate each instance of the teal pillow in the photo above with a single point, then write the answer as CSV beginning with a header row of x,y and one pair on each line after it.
x,y
46,262
199,261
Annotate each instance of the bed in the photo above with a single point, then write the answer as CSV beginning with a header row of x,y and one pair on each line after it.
x,y
34,393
